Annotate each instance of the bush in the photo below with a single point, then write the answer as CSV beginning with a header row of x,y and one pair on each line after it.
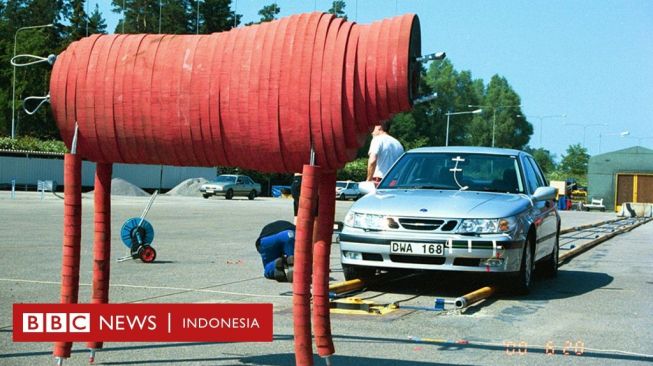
x,y
355,170
32,144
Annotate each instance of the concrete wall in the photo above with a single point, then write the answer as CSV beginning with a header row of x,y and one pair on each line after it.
x,y
28,170
602,170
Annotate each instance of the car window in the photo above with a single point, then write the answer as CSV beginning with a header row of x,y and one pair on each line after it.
x,y
541,179
478,172
239,181
225,179
531,177
355,186
248,180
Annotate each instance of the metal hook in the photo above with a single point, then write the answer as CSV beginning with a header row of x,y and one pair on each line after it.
x,y
50,59
45,99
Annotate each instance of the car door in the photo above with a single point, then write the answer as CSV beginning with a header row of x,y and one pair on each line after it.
x,y
240,185
546,220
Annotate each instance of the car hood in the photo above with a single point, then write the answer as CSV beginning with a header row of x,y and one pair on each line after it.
x,y
442,203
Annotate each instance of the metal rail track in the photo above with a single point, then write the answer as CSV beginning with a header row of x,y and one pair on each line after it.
x,y
574,241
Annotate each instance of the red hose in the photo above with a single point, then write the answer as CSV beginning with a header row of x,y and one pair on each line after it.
x,y
302,267
321,253
71,239
102,239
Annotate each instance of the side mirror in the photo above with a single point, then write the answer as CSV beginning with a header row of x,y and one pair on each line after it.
x,y
545,193
366,187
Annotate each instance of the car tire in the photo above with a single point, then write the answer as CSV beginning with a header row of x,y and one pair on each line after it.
x,y
358,272
551,265
251,195
342,197
229,195
206,195
524,281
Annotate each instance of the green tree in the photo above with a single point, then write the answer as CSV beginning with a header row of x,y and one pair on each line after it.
x,y
96,23
269,12
142,16
574,163
217,16
544,159
338,9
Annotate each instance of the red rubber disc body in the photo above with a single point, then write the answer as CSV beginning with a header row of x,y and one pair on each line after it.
x,y
381,68
330,143
288,135
371,97
273,96
315,106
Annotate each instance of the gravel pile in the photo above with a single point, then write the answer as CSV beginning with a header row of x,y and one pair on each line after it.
x,y
188,188
121,187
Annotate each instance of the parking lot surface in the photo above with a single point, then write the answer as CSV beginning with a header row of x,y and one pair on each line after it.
x,y
599,306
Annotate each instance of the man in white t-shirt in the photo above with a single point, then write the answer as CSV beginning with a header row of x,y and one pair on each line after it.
x,y
384,151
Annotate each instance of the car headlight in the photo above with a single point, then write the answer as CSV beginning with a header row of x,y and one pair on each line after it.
x,y
488,226
369,221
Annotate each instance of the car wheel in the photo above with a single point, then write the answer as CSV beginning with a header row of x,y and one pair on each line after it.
x,y
551,269
358,272
342,197
525,277
251,195
206,195
229,195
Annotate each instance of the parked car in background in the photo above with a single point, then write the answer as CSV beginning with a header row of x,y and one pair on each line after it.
x,y
347,189
230,185
470,209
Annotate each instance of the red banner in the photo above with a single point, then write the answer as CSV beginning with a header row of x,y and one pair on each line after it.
x,y
142,322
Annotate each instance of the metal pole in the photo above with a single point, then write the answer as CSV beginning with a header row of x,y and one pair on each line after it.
x,y
494,122
160,9
446,141
123,17
13,95
13,84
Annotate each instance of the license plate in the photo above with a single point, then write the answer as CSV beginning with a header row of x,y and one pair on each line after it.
x,y
210,191
400,247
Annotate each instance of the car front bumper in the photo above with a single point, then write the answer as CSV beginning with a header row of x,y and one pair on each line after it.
x,y
487,253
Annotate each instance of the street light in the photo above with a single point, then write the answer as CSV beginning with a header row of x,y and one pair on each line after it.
x,y
542,118
585,127
449,114
494,113
13,85
622,134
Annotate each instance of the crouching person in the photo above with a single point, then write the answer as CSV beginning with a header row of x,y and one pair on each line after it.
x,y
276,245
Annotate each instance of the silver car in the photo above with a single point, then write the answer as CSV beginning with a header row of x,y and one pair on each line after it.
x,y
229,185
468,209
347,189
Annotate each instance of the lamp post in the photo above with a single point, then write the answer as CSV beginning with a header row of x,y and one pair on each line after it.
x,y
494,114
449,114
622,134
13,84
542,118
585,126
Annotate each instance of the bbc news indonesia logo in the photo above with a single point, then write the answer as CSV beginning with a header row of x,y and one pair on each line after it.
x,y
142,322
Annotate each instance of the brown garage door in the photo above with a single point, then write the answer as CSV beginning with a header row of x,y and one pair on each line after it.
x,y
645,188
624,188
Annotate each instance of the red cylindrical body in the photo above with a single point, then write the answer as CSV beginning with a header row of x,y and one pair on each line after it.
x,y
321,253
302,266
257,97
71,239
102,239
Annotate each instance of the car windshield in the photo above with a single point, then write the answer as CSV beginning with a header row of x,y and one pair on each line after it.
x,y
341,184
456,171
225,179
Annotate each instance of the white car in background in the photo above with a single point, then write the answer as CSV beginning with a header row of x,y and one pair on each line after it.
x,y
229,185
347,190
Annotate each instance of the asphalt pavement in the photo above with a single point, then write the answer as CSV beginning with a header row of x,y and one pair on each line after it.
x,y
598,306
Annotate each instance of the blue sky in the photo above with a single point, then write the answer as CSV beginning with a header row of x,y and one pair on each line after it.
x,y
589,60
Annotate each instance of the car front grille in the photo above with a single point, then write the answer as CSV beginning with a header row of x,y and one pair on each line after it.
x,y
421,224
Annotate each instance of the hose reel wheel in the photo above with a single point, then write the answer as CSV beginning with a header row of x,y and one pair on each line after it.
x,y
138,234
